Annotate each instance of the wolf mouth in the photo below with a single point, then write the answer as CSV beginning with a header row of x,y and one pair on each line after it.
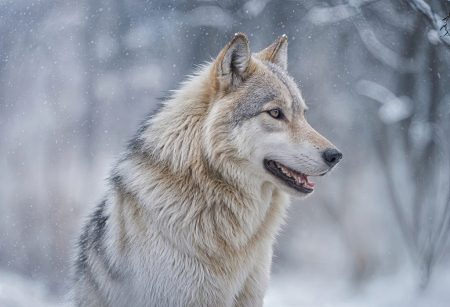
x,y
294,179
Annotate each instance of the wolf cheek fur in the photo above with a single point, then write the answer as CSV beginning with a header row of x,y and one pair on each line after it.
x,y
196,201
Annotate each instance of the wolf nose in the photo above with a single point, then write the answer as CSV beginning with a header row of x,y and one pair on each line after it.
x,y
332,156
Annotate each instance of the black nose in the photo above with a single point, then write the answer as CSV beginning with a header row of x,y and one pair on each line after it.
x,y
332,156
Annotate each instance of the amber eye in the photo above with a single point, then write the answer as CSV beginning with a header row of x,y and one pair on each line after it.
x,y
275,113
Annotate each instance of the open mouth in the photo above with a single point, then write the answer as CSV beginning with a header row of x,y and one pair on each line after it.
x,y
294,179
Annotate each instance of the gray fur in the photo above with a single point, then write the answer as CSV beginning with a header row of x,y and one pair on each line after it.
x,y
236,60
252,105
258,94
191,213
289,83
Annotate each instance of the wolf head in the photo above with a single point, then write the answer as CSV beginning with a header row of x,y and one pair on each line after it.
x,y
240,119
255,123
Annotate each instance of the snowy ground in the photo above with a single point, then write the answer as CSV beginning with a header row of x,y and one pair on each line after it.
x,y
18,291
400,290
286,290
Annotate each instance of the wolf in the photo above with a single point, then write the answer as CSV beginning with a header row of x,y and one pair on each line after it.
x,y
195,202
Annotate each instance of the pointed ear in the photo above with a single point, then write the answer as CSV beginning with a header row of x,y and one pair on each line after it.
x,y
276,53
233,61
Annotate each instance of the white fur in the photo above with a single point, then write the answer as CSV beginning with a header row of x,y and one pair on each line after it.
x,y
191,215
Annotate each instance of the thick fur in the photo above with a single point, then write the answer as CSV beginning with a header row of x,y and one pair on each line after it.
x,y
191,213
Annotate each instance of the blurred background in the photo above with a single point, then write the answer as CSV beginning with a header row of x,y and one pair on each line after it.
x,y
77,76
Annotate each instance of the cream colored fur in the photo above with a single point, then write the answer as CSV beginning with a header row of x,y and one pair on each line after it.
x,y
191,214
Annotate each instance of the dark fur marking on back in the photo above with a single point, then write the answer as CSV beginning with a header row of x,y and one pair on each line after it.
x,y
92,241
116,181
91,238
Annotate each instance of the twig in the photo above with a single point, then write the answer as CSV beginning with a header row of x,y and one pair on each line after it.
x,y
445,25
424,8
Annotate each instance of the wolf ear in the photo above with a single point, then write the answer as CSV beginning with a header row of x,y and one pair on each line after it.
x,y
276,53
233,61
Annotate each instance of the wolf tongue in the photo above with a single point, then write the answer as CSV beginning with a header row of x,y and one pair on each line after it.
x,y
310,184
304,179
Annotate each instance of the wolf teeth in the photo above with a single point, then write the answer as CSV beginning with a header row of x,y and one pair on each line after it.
x,y
299,180
285,171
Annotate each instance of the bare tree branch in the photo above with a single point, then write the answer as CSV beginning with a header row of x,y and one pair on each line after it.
x,y
437,22
378,50
445,19
352,11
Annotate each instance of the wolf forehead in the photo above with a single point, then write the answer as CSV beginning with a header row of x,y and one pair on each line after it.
x,y
270,83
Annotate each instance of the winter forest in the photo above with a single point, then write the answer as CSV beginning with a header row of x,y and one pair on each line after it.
x,y
78,76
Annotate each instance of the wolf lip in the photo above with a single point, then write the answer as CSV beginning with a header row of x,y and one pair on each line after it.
x,y
294,179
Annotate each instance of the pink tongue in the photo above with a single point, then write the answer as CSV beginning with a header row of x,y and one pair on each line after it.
x,y
310,184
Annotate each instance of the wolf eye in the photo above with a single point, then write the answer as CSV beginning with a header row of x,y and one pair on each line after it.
x,y
275,113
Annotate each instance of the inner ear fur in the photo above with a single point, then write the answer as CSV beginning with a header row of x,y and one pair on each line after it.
x,y
276,53
233,62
